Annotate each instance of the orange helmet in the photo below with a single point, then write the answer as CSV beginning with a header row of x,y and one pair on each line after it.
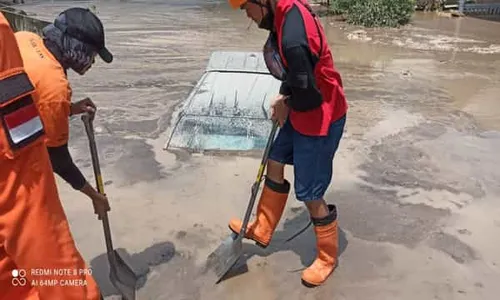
x,y
235,4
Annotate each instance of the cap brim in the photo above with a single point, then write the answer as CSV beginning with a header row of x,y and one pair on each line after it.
x,y
106,55
236,4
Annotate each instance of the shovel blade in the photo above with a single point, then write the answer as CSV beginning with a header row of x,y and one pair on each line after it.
x,y
225,256
123,277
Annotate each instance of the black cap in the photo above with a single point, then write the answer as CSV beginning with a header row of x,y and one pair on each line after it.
x,y
83,25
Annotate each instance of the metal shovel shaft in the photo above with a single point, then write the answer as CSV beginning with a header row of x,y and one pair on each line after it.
x,y
98,178
121,275
255,186
228,253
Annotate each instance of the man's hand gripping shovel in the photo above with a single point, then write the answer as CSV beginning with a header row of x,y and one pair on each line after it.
x,y
121,274
228,253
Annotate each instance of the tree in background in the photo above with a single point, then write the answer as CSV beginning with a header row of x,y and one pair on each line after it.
x,y
375,13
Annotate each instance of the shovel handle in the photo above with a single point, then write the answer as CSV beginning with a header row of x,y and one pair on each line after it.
x,y
89,129
258,180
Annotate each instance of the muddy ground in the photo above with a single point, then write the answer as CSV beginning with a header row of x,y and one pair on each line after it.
x,y
416,177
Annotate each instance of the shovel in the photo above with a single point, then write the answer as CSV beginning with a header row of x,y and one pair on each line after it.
x,y
121,274
230,250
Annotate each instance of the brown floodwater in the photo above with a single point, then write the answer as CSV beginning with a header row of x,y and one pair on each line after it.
x,y
166,44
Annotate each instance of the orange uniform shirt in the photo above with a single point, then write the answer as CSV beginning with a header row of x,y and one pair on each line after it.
x,y
34,231
22,124
53,92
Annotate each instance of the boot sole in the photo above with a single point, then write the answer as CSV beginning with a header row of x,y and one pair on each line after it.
x,y
256,242
309,285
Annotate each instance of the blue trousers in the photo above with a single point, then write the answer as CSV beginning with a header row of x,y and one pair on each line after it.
x,y
311,156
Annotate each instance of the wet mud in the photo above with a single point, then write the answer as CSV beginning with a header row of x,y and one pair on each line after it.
x,y
415,178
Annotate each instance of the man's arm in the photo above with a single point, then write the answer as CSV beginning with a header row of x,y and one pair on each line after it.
x,y
55,114
63,165
300,81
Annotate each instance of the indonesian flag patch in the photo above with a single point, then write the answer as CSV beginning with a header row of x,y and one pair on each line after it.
x,y
23,124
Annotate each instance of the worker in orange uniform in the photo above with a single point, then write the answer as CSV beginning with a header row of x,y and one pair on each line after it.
x,y
71,42
35,239
311,109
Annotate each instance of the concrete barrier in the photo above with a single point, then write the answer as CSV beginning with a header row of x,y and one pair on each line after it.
x,y
21,22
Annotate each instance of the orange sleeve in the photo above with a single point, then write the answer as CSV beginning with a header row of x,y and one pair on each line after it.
x,y
54,110
9,53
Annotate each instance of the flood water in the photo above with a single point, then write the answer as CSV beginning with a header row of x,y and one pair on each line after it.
x,y
434,83
162,47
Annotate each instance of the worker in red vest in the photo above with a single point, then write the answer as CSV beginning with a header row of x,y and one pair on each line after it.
x,y
38,256
311,109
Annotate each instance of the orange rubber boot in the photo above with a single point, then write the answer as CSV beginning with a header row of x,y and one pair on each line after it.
x,y
327,248
269,210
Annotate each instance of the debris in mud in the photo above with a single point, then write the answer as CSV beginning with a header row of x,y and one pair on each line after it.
x,y
409,195
262,264
445,43
458,205
450,14
185,254
406,73
464,231
181,234
297,209
491,49
359,35
455,13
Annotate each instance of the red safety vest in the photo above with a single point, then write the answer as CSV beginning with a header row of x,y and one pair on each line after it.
x,y
317,121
